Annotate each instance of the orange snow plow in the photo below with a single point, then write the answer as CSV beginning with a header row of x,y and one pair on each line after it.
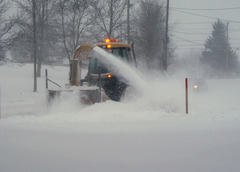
x,y
99,84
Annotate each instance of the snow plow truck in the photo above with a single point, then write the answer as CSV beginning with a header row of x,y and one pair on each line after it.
x,y
100,84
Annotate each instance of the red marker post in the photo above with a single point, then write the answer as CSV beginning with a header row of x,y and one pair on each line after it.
x,y
186,86
0,103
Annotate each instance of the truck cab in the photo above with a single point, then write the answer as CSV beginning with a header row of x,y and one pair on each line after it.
x,y
100,75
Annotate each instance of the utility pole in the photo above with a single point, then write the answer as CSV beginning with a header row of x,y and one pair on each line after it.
x,y
227,53
128,21
111,20
34,45
165,46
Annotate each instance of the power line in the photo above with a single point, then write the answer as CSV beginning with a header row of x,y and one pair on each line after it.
x,y
191,33
189,48
206,16
192,45
195,40
188,40
193,23
195,28
205,9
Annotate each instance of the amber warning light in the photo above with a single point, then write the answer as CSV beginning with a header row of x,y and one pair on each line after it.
x,y
110,40
107,40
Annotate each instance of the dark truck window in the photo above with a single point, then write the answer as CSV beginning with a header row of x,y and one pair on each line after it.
x,y
95,64
123,53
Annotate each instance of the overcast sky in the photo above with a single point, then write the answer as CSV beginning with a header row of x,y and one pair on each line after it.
x,y
192,30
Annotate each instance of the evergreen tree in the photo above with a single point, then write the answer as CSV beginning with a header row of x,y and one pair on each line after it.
x,y
218,54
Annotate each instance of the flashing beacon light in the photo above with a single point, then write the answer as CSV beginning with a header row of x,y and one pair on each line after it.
x,y
109,46
195,86
107,40
109,76
110,40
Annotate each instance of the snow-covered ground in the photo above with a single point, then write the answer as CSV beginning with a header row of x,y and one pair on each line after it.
x,y
145,132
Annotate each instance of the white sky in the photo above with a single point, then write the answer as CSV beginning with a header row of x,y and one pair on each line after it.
x,y
189,36
191,31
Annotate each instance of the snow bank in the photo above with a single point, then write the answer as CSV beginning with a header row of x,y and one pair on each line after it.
x,y
160,99
147,131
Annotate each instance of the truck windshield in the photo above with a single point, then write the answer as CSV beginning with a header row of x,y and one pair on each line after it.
x,y
95,64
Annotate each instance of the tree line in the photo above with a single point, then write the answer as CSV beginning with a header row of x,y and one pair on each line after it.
x,y
61,25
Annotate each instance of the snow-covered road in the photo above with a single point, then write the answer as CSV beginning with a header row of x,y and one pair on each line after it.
x,y
149,132
121,147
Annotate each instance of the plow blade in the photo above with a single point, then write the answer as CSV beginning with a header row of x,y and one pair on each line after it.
x,y
86,96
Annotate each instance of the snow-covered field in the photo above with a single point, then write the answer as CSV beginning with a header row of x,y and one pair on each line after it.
x,y
148,132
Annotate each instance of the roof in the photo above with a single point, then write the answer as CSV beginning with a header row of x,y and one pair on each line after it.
x,y
84,48
113,44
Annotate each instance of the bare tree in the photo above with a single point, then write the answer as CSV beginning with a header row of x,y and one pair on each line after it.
x,y
109,16
150,22
44,20
34,44
74,23
6,26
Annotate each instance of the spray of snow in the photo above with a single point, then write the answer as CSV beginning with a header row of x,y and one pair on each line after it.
x,y
158,98
151,92
122,69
